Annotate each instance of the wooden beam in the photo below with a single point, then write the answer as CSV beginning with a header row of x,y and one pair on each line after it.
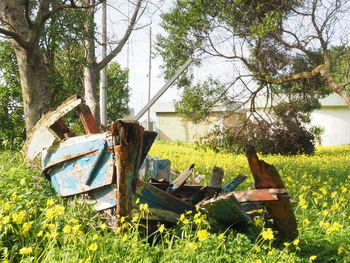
x,y
233,184
180,180
267,176
260,195
87,119
216,176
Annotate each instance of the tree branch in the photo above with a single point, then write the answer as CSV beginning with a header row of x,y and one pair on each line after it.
x,y
15,36
122,42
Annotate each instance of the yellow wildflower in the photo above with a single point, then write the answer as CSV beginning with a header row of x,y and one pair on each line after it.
x,y
340,250
18,218
25,250
7,206
27,226
202,235
73,220
258,261
125,237
335,227
76,227
307,222
186,221
93,247
303,204
59,209
334,207
135,218
95,237
103,226
144,207
161,228
312,258
221,236
6,220
191,246
40,234
50,213
22,182
67,229
268,234
50,202
296,242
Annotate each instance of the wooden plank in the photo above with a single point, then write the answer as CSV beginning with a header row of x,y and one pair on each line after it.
x,y
128,150
61,130
259,195
180,180
266,176
234,183
87,119
225,209
216,176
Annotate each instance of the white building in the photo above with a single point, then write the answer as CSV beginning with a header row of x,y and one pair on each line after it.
x,y
334,118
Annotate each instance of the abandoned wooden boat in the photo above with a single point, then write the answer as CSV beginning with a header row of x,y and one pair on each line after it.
x,y
104,165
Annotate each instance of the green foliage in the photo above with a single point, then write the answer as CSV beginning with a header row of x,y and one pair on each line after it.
x,y
59,229
197,100
12,130
283,132
118,92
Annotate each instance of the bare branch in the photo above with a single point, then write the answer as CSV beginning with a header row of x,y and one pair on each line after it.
x,y
124,39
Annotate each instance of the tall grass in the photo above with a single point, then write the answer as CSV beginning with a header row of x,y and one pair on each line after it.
x,y
38,226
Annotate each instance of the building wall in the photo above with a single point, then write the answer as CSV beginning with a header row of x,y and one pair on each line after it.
x,y
173,128
336,124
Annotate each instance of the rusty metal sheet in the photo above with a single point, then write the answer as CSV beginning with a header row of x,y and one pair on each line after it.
x,y
42,136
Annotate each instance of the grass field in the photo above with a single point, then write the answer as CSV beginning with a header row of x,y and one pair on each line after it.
x,y
37,226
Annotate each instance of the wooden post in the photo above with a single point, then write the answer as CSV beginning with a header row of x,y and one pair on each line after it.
x,y
216,176
267,176
128,150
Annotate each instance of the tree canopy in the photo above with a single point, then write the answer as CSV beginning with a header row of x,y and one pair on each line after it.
x,y
277,46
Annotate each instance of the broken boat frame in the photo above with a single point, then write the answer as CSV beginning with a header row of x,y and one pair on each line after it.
x,y
105,166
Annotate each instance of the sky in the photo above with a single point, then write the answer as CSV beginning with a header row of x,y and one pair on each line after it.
x,y
136,53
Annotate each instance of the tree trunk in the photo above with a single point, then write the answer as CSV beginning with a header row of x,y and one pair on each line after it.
x,y
91,71
34,83
90,90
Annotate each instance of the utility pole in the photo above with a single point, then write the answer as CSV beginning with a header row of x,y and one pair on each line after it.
x,y
149,77
103,82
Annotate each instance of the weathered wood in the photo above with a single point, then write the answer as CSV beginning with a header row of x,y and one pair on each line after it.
x,y
62,130
216,176
128,150
148,139
180,180
225,209
266,176
234,183
87,119
259,195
